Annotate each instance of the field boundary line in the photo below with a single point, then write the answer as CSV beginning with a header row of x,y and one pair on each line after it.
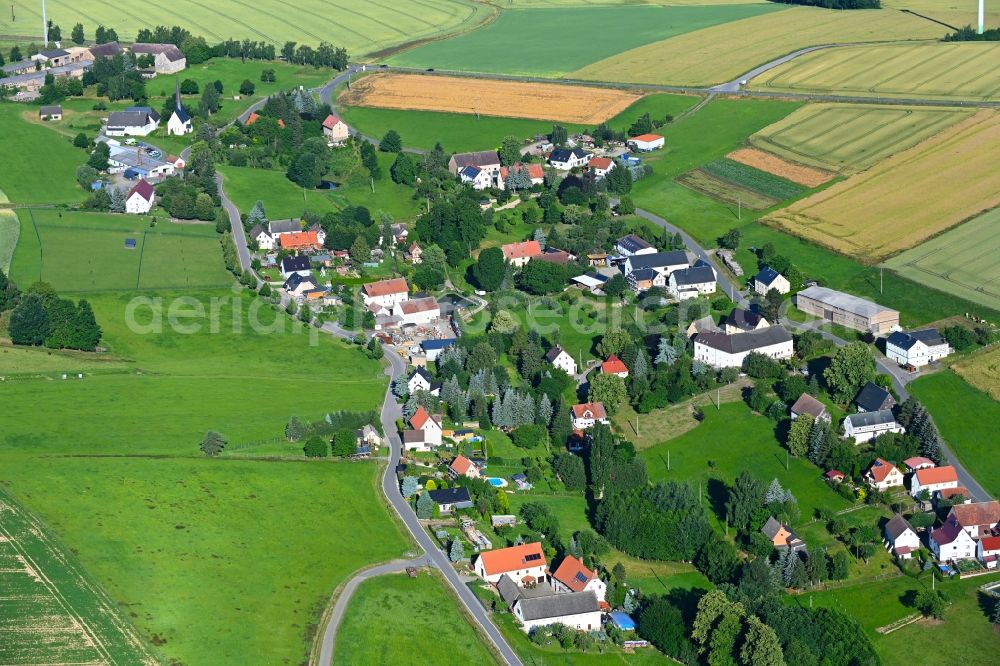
x,y
142,251
41,251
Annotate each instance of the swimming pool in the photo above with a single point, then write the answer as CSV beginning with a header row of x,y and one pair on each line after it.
x,y
496,482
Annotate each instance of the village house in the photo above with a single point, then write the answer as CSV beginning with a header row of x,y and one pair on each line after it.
x,y
297,286
561,257
883,475
630,245
558,357
741,320
31,80
107,51
279,227
524,564
901,538
578,610
988,551
414,254
335,130
688,283
768,279
132,122
706,323
806,404
781,535
865,426
52,57
535,172
487,160
519,254
433,348
977,519
565,159
462,466
729,351
54,112
586,414
451,499
261,236
835,475
140,198
918,462
951,542
956,495
429,425
917,348
615,366
417,311
400,233
480,179
298,264
645,271
300,240
420,380
600,166
167,58
873,398
933,479
178,162
385,293
572,576
645,142
851,311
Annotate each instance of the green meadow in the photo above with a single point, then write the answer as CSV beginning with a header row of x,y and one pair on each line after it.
x,y
555,41
39,166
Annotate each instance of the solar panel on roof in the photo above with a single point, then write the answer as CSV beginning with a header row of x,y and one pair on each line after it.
x,y
532,557
580,577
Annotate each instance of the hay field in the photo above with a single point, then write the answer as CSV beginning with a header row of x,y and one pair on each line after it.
x,y
724,52
360,27
911,70
958,13
846,138
511,99
962,261
777,166
52,613
982,371
906,198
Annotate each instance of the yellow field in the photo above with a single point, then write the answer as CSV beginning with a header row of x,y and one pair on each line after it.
x,y
724,52
510,99
958,13
849,137
907,198
779,166
911,70
982,371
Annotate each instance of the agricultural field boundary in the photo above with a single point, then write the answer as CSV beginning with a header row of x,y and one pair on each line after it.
x,y
778,166
10,231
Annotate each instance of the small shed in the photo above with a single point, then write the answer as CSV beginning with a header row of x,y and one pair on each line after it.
x,y
53,112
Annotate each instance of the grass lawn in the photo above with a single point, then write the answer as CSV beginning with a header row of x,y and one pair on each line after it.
x,y
728,441
656,577
10,230
591,34
39,165
25,360
434,630
569,507
967,419
85,252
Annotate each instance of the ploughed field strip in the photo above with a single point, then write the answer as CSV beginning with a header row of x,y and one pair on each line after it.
x,y
737,183
777,166
511,99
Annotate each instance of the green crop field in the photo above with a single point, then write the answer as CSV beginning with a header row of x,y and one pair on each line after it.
x,y
53,611
961,261
967,419
359,27
39,166
555,41
435,630
703,182
10,230
85,252
910,70
847,138
754,179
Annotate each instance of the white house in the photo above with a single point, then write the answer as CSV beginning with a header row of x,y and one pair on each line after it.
x,y
421,381
524,564
135,121
916,349
901,538
519,254
883,475
692,282
933,479
741,320
263,238
977,518
140,198
586,414
615,366
951,542
865,426
462,466
167,58
558,357
578,610
646,142
281,227
565,159
600,166
630,245
298,264
643,271
386,293
988,551
806,404
728,351
428,425
768,279
335,130
480,179
572,576
418,311
488,160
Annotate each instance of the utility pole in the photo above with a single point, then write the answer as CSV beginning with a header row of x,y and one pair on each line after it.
x,y
739,209
881,272
45,26
668,460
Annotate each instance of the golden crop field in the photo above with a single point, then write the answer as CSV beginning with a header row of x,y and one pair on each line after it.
x,y
958,13
965,70
982,371
722,53
907,198
510,99
849,137
778,166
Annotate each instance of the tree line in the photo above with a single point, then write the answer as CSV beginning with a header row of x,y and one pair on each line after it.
x,y
40,317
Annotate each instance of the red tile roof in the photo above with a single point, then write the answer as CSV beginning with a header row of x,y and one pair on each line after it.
x,y
602,163
143,189
386,287
834,474
461,465
573,574
514,558
648,138
535,171
918,461
990,543
419,418
932,475
613,366
977,513
948,493
254,117
595,410
520,250
880,469
416,305
331,121
299,239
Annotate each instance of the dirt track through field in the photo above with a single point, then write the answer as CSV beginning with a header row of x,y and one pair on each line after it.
x,y
510,99
777,166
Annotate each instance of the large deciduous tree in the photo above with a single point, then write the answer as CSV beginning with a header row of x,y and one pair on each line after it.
x,y
851,366
490,269
608,389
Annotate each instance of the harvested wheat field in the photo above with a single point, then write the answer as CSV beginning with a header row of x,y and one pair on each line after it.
x,y
773,164
907,198
508,99
982,371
